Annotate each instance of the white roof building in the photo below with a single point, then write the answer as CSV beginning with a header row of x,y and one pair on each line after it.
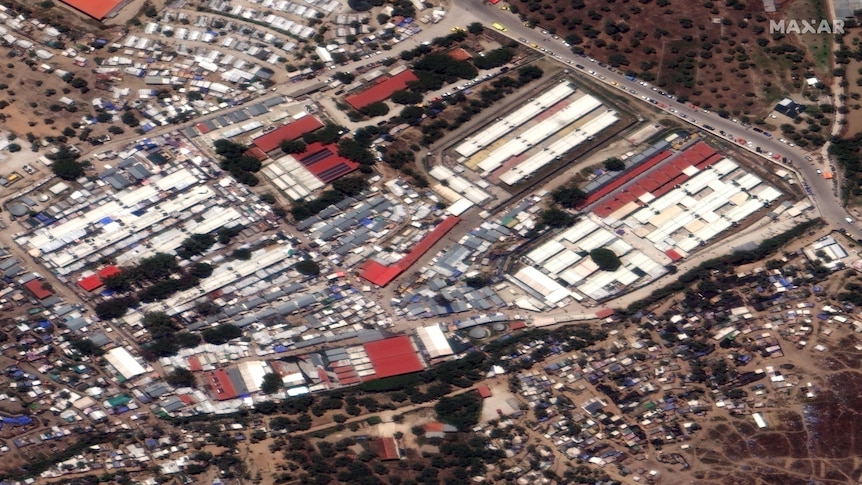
x,y
252,373
434,342
121,360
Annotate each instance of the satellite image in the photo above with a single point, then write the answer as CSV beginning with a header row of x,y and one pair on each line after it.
x,y
407,242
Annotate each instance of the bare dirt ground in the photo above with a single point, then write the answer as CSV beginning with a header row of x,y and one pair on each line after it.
x,y
854,99
500,395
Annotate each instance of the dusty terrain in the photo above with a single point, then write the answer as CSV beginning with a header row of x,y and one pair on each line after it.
x,y
718,54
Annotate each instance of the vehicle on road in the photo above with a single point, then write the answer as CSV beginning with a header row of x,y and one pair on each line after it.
x,y
819,171
499,26
504,7
849,220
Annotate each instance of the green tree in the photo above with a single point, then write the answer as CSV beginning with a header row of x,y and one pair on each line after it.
x,y
461,410
605,259
86,346
345,77
355,151
568,196
477,281
494,58
221,334
554,217
292,146
195,245
130,119
307,267
272,383
475,28
181,377
406,97
66,165
201,270
375,109
115,307
350,186
614,164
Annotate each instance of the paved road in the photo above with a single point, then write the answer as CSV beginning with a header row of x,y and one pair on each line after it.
x,y
822,192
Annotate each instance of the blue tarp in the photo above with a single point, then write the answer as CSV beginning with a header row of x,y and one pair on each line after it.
x,y
16,420
105,221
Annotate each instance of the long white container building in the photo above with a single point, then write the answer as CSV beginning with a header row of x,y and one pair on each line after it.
x,y
538,133
520,116
558,148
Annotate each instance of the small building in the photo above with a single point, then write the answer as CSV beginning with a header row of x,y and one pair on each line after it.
x,y
438,430
484,392
125,364
386,449
789,108
39,288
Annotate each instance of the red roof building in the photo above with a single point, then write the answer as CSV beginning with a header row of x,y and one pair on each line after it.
x,y
108,271
382,275
194,363
324,162
219,382
459,54
604,313
98,9
290,131
386,449
484,392
382,89
35,287
393,357
90,283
